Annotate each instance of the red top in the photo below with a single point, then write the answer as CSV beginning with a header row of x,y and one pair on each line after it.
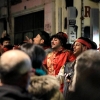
x,y
55,60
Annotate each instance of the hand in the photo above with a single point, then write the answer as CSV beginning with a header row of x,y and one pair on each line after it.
x,y
3,34
68,81
28,40
68,77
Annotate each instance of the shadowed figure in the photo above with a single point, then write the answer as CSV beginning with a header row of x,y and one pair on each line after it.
x,y
86,80
15,68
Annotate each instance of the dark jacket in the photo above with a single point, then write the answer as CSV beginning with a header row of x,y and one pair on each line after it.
x,y
13,93
45,88
69,71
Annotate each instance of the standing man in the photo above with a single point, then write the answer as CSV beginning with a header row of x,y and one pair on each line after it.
x,y
42,38
5,45
15,67
80,45
59,56
5,41
86,80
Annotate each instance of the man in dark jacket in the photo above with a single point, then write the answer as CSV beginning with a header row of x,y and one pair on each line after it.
x,y
15,67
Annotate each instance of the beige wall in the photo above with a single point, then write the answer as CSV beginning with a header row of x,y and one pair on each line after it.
x,y
33,6
53,19
37,5
60,5
77,4
92,5
49,15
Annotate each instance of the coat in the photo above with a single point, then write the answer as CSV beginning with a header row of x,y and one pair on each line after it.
x,y
45,88
8,92
68,69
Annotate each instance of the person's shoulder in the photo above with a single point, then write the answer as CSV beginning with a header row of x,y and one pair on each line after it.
x,y
48,50
70,53
66,50
50,53
69,64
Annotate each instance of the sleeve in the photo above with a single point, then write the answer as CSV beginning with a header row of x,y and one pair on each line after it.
x,y
60,75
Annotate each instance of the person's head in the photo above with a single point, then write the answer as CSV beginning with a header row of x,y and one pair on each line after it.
x,y
86,79
59,40
15,67
7,48
69,46
35,52
5,41
42,38
82,44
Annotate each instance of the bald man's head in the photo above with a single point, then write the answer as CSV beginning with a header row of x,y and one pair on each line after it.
x,y
14,64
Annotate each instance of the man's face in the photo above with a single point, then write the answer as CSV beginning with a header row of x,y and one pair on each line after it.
x,y
38,40
55,43
78,48
5,43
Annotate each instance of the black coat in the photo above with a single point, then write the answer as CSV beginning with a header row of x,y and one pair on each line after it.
x,y
13,93
69,68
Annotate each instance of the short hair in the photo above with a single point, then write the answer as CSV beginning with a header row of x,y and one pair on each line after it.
x,y
11,72
6,38
35,52
87,76
45,36
62,37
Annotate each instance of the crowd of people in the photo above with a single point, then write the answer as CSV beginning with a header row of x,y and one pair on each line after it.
x,y
48,68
